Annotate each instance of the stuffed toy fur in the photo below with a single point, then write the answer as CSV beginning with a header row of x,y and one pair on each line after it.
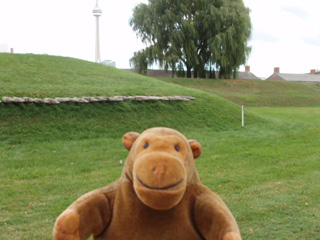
x,y
159,196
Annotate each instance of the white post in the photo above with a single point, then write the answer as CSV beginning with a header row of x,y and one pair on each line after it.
x,y
242,115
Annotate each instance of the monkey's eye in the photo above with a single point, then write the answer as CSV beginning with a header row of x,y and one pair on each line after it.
x,y
146,145
176,147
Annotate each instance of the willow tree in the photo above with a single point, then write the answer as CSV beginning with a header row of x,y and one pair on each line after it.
x,y
196,34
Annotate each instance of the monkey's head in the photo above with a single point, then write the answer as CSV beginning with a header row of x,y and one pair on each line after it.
x,y
160,165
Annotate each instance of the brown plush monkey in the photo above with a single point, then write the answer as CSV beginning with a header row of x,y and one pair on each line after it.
x,y
159,196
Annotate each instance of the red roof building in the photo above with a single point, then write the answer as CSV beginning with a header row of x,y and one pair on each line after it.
x,y
313,76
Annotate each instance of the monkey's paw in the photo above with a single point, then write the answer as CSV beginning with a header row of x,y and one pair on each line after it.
x,y
67,226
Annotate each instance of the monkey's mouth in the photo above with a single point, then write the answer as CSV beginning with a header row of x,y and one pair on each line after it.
x,y
159,188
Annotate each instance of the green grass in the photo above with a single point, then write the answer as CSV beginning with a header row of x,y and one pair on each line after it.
x,y
269,178
266,176
267,172
22,122
306,115
28,75
257,93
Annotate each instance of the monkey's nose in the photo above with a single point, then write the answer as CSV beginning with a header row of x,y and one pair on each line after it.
x,y
159,172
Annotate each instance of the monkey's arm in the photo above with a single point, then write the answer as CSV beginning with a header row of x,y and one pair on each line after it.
x,y
213,218
89,215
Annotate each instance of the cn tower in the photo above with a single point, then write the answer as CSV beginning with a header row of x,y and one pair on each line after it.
x,y
97,12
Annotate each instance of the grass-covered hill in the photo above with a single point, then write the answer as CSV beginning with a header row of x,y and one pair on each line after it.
x,y
27,75
258,93
50,76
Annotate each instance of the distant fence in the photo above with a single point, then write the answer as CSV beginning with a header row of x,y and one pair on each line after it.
x,y
59,100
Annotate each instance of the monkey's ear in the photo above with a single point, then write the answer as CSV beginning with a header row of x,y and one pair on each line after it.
x,y
196,148
128,139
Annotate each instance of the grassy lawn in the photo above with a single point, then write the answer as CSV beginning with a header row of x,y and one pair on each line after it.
x,y
306,115
268,175
257,93
267,172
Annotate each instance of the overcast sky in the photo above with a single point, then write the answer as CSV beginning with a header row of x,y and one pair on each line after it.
x,y
285,33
